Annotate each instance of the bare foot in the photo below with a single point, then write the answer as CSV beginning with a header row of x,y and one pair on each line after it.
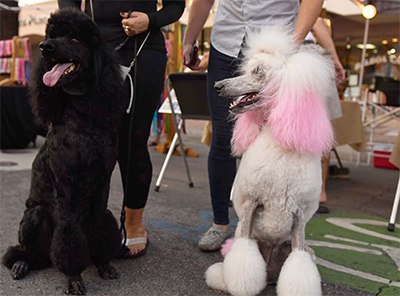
x,y
136,232
135,228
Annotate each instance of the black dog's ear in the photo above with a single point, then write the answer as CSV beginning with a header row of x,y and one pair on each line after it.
x,y
107,73
76,89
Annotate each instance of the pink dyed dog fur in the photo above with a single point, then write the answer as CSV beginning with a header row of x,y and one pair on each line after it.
x,y
301,122
227,246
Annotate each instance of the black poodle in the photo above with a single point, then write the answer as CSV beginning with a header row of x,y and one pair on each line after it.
x,y
76,92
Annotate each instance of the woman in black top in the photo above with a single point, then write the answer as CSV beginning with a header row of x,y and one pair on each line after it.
x,y
115,25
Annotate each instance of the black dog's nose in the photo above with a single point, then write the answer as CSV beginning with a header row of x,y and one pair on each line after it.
x,y
47,45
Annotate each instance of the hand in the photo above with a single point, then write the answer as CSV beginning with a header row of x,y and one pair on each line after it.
x,y
204,61
138,22
340,73
187,50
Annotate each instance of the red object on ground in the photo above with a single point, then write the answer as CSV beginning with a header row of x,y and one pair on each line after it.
x,y
381,160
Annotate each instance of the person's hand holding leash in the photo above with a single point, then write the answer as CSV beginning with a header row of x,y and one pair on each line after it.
x,y
135,22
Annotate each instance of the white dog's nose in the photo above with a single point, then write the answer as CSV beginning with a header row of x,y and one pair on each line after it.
x,y
218,86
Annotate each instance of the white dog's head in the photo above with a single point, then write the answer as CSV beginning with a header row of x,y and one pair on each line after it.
x,y
281,86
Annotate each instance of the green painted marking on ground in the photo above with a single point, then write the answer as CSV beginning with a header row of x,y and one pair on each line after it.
x,y
378,265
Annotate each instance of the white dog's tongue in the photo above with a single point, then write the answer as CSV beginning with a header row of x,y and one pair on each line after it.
x,y
50,78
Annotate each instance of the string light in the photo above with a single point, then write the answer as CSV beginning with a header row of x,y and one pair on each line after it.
x,y
369,11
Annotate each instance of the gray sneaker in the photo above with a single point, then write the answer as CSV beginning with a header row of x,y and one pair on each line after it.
x,y
212,240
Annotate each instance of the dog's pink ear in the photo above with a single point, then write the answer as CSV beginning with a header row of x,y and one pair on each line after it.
x,y
299,121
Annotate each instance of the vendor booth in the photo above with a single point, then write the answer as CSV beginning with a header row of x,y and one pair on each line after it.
x,y
18,127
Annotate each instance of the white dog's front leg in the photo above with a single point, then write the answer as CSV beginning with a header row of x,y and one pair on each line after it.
x,y
244,268
299,275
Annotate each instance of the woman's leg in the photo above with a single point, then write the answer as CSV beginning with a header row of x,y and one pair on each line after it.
x,y
134,158
221,165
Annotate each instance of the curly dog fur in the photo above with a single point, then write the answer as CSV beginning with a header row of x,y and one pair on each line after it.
x,y
75,91
282,128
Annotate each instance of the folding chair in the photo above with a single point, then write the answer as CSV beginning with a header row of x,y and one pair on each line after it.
x,y
388,110
191,93
382,112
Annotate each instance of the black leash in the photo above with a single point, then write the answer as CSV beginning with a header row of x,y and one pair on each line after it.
x,y
132,111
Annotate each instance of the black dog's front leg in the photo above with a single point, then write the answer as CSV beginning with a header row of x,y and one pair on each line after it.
x,y
104,239
75,286
107,271
103,234
69,248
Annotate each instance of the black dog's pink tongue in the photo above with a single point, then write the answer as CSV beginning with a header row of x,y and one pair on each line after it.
x,y
50,78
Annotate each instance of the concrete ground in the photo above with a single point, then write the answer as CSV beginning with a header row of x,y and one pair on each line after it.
x,y
175,217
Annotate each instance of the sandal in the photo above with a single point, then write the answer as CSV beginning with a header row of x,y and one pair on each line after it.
x,y
322,210
134,241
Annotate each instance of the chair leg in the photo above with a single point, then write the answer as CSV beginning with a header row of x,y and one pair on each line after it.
x,y
392,220
338,158
166,161
171,149
184,158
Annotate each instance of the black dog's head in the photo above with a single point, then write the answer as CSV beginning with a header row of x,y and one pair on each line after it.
x,y
75,61
70,42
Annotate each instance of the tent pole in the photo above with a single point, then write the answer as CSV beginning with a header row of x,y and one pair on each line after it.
x,y
363,56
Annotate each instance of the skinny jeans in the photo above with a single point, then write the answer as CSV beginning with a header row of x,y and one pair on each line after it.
x,y
221,164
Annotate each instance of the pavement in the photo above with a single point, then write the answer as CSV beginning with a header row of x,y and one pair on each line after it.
x,y
356,254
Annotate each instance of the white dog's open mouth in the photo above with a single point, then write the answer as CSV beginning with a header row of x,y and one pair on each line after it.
x,y
244,103
51,77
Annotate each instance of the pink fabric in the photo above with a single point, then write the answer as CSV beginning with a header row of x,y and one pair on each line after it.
x,y
168,47
299,121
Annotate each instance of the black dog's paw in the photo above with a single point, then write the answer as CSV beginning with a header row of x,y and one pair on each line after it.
x,y
107,272
75,286
19,270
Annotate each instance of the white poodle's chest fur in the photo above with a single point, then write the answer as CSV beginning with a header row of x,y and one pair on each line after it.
x,y
280,182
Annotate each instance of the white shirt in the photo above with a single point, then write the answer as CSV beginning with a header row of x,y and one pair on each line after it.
x,y
236,18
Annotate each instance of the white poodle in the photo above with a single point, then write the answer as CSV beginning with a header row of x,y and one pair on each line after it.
x,y
282,128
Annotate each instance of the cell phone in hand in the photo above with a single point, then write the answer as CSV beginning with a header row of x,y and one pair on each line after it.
x,y
194,54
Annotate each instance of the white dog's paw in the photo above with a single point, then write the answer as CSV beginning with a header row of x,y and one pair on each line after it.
x,y
214,277
244,269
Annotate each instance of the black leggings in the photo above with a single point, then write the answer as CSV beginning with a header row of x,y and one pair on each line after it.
x,y
149,86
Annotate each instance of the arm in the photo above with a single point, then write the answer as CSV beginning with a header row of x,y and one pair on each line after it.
x,y
308,14
140,22
198,15
323,35
69,3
